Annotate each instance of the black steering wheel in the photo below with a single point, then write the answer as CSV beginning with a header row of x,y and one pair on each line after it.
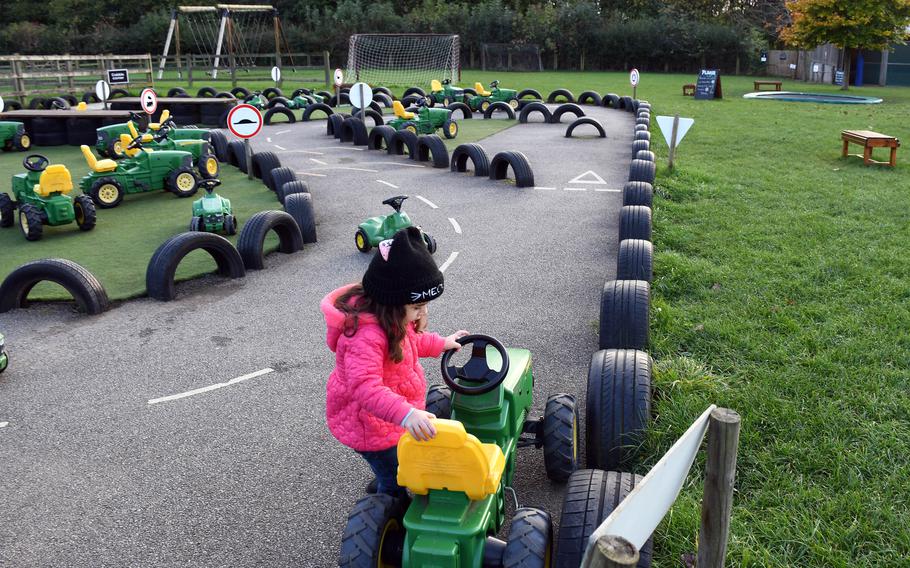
x,y
476,370
494,84
35,162
161,134
395,202
209,184
136,143
446,81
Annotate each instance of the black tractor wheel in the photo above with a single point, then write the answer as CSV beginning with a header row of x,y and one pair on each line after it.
x,y
114,148
183,182
374,533
361,241
208,166
409,127
85,212
431,242
106,192
560,437
530,541
30,222
450,129
230,225
439,401
7,207
22,141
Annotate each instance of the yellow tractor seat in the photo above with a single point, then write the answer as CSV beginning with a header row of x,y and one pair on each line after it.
x,y
435,85
54,179
165,114
135,134
95,164
481,91
400,112
454,460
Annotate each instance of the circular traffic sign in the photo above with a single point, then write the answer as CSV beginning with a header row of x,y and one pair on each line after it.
x,y
339,77
276,74
149,100
1,104
102,89
244,121
361,91
633,77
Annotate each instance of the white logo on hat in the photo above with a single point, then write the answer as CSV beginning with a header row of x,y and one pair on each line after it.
x,y
426,294
384,248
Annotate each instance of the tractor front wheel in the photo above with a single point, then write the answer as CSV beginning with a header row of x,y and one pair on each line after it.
x,y
22,141
183,182
513,102
410,127
450,129
374,534
6,210
30,222
208,166
114,148
530,542
106,192
85,212
485,105
196,224
560,437
230,225
361,241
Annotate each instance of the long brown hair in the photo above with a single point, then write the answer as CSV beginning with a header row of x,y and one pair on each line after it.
x,y
390,318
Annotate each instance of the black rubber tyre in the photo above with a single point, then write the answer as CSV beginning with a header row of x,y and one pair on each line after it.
x,y
644,121
354,130
249,244
386,100
340,99
318,107
291,187
590,96
300,207
566,108
48,138
106,192
278,101
208,166
219,144
240,92
408,100
465,110
88,292
355,111
591,495
36,103
640,127
635,260
47,126
30,224
384,90
414,91
499,166
499,105
369,113
301,91
224,95
430,241
535,107
645,155
635,222
601,133
278,177
90,97
374,525
404,138
560,437
439,401
625,103
638,145
159,276
533,92
565,93
178,181
635,103
174,91
270,115
80,131
530,542
7,208
473,152
263,164
333,125
642,135
642,170
206,92
432,145
86,216
237,154
618,403
624,306
57,103
637,193
469,91
380,137
272,93
324,94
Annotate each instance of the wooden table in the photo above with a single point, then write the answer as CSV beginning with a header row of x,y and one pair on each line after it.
x,y
689,90
870,140
757,85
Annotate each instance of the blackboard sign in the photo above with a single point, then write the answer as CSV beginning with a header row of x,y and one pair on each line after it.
x,y
708,85
838,77
118,76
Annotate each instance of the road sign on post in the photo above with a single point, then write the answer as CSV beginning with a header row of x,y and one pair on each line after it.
x,y
634,76
339,80
674,129
245,121
361,96
103,90
276,75
149,100
1,104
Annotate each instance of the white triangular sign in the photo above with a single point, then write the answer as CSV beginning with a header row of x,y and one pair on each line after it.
x,y
666,127
589,173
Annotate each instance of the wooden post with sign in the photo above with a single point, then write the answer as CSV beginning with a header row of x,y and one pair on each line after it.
x,y
611,551
672,152
245,121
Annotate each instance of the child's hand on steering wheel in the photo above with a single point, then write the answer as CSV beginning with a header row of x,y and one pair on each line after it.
x,y
451,341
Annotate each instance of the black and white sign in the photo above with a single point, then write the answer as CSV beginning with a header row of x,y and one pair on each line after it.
x,y
244,121
118,76
149,101
276,74
339,77
1,104
361,95
103,90
708,85
634,77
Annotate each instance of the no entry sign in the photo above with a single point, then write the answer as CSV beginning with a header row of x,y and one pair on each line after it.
x,y
149,101
244,121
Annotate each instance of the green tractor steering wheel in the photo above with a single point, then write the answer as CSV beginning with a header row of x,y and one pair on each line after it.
x,y
35,162
476,370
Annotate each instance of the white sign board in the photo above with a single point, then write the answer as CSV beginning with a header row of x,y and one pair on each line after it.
x,y
339,77
276,74
149,101
102,89
244,121
815,68
793,66
634,77
1,104
666,127
361,95
118,76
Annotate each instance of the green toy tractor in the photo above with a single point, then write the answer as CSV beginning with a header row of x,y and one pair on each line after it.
x,y
425,121
13,136
205,159
211,212
377,229
459,478
484,98
444,93
108,142
4,356
108,181
300,102
258,100
41,197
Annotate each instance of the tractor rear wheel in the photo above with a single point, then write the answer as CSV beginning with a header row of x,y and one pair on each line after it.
x,y
106,192
439,401
208,166
6,210
530,542
183,182
361,241
30,222
513,102
560,437
22,141
85,212
450,129
374,533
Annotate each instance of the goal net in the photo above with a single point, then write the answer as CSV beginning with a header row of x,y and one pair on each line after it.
x,y
510,57
402,59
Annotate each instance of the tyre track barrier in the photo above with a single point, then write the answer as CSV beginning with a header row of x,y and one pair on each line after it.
x,y
86,290
252,237
586,120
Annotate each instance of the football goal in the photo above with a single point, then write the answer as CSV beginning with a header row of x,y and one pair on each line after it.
x,y
403,59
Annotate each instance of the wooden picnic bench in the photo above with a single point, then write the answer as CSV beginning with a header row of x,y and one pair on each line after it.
x,y
757,85
869,140
689,90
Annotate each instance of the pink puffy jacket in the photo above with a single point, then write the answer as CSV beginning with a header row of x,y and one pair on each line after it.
x,y
368,394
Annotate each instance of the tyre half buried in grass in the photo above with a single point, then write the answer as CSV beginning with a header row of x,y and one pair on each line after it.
x,y
87,291
159,276
252,237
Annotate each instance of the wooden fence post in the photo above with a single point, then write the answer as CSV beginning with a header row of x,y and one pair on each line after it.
x,y
717,501
611,551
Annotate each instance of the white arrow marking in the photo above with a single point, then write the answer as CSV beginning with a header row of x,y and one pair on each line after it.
x,y
427,201
320,162
580,179
448,261
259,373
455,225
388,184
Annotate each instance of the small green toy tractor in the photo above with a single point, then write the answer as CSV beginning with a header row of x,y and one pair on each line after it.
x,y
108,181
4,356
444,93
377,229
258,100
41,197
484,98
459,478
300,102
206,161
211,212
425,121
108,143
13,136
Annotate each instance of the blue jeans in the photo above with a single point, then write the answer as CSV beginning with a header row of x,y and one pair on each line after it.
x,y
384,464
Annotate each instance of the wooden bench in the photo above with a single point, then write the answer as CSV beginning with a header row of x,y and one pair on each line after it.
x,y
689,90
870,140
757,85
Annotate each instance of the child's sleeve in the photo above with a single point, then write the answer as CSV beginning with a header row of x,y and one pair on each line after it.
x,y
430,344
363,369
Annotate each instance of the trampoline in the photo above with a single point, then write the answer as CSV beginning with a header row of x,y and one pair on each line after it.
x,y
793,96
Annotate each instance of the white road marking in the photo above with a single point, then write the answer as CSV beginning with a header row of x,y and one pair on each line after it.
x,y
268,139
310,174
282,132
4,424
320,162
455,225
607,189
427,201
259,373
580,178
403,165
341,148
448,261
279,147
346,168
302,152
393,186
547,188
575,189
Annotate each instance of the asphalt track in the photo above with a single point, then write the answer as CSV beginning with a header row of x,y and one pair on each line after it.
x,y
93,474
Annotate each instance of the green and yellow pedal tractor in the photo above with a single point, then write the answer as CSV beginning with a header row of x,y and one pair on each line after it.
x,y
13,136
484,98
377,229
444,93
205,159
109,138
425,121
211,212
149,170
258,100
459,478
41,196
4,356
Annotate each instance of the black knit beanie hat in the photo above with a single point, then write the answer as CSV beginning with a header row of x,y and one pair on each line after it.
x,y
403,271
